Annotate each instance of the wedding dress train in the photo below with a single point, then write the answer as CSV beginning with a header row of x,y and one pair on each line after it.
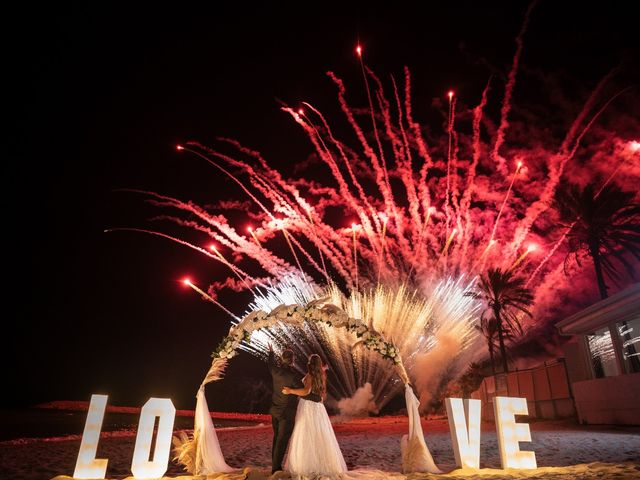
x,y
313,448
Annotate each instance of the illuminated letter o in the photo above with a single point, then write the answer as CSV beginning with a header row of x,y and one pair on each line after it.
x,y
141,466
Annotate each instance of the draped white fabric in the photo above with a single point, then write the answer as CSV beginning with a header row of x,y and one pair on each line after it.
x,y
416,456
209,458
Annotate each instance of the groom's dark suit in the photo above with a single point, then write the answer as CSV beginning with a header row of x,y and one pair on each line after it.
x,y
283,409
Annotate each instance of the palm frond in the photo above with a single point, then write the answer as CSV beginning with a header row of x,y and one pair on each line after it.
x,y
216,371
606,225
185,447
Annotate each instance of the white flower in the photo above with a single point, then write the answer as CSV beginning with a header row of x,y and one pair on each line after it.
x,y
340,321
223,354
279,312
366,335
383,352
232,354
253,316
259,324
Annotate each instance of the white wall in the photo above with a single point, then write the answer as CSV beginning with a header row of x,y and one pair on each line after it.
x,y
610,400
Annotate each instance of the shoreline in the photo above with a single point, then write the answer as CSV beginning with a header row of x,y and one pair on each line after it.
x,y
83,406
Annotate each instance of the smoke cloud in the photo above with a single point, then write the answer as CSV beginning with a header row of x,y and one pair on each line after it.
x,y
435,368
361,404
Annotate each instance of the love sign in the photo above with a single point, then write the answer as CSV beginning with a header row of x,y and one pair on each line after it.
x,y
464,425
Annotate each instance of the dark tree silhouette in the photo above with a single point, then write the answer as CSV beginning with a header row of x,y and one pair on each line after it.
x,y
605,226
489,330
505,296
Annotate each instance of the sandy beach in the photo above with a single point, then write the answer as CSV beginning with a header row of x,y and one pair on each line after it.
x,y
371,448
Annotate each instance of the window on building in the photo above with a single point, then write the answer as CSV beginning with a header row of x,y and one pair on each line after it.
x,y
603,357
630,339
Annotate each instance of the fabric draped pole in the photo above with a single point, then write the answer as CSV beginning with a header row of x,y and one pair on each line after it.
x,y
209,458
416,456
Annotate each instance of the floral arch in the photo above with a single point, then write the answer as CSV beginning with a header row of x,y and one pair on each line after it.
x,y
200,454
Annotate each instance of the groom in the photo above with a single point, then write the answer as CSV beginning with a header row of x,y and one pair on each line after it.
x,y
283,407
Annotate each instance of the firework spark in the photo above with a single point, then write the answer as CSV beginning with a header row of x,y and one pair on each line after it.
x,y
414,323
431,214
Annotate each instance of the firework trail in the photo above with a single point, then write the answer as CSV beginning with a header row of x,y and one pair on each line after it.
x,y
477,148
394,233
506,104
209,298
559,161
504,202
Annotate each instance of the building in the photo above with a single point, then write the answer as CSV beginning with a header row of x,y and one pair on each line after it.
x,y
603,359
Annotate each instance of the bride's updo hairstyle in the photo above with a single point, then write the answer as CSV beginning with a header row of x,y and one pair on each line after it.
x,y
318,375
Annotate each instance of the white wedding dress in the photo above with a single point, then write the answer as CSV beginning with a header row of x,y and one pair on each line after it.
x,y
313,448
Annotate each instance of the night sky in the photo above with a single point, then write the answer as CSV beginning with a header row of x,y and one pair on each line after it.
x,y
102,97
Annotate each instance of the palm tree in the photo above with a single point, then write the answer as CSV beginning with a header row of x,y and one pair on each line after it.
x,y
605,226
505,296
488,329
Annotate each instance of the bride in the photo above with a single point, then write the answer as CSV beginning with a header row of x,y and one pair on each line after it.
x,y
313,449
